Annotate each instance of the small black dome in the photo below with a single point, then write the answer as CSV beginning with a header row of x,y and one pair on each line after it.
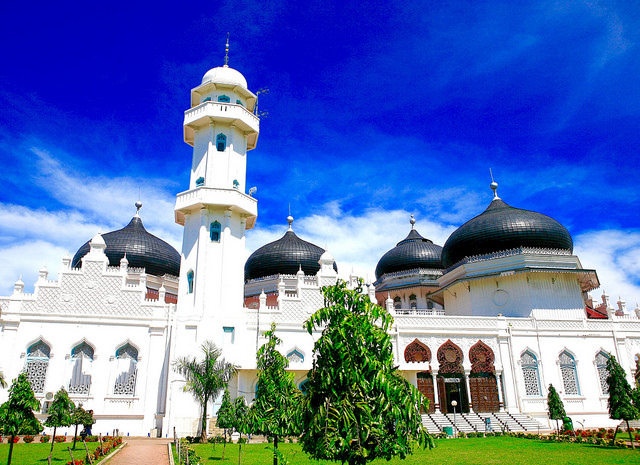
x,y
502,227
284,256
143,249
413,252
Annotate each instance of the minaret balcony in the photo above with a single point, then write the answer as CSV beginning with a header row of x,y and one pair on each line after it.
x,y
206,113
193,200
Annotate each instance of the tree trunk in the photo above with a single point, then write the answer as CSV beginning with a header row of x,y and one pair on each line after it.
x,y
53,440
240,450
13,437
557,428
615,433
630,435
275,450
204,421
224,447
74,437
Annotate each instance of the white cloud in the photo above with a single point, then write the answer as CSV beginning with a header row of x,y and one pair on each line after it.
x,y
615,255
25,260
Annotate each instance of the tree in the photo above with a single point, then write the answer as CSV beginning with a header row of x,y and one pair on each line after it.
x,y
59,412
16,414
555,406
357,406
205,378
225,417
80,417
621,397
240,411
274,411
3,383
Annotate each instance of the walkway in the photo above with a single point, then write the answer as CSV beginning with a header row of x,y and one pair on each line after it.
x,y
142,451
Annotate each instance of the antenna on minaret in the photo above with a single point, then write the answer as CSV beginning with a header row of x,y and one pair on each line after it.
x,y
226,52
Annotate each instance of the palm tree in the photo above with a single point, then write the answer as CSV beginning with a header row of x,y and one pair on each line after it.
x,y
205,378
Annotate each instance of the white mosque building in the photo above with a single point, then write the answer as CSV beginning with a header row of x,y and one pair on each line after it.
x,y
482,325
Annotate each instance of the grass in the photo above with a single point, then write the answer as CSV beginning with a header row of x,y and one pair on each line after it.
x,y
485,451
37,453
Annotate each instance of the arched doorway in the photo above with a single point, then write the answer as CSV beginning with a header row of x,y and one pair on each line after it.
x,y
482,379
419,352
451,379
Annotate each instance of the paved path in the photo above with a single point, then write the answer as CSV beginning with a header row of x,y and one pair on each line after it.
x,y
142,451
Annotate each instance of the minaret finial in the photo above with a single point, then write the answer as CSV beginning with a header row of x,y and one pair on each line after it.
x,y
138,205
226,52
494,186
290,220
412,221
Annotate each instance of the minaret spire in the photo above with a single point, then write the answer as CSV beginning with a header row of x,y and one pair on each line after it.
x,y
494,186
226,52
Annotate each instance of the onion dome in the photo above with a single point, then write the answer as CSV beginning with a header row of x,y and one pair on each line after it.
x,y
411,253
502,227
225,75
142,249
287,255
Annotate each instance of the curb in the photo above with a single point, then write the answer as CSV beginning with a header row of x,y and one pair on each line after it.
x,y
171,462
108,457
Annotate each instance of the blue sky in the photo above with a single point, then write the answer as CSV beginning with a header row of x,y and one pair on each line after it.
x,y
375,111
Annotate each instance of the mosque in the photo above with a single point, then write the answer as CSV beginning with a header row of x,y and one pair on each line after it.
x,y
482,324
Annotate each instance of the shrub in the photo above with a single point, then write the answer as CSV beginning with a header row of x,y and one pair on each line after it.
x,y
15,440
91,439
44,438
60,438
462,434
620,443
489,435
75,462
28,439
242,440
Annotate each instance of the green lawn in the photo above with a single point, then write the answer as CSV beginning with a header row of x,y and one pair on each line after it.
x,y
485,451
27,454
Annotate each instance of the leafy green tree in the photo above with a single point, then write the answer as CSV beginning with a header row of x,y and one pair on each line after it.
x,y
357,406
240,412
205,378
274,411
80,417
16,414
621,405
225,417
60,412
3,383
555,406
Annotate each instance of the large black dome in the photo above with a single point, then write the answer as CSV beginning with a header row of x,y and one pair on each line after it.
x,y
502,227
284,256
411,253
143,249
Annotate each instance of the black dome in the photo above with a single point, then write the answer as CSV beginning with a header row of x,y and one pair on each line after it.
x,y
284,256
502,227
411,253
143,249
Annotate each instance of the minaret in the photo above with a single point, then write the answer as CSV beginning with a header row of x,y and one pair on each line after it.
x,y
216,211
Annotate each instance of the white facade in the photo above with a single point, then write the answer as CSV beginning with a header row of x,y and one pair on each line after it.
x,y
109,334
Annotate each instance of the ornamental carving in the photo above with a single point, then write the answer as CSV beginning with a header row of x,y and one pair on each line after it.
x,y
417,352
450,358
481,357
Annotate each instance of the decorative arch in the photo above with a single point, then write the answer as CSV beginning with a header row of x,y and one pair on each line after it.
x,y
416,351
397,302
190,276
569,372
81,362
601,359
530,373
482,358
82,349
295,355
126,358
450,358
214,231
37,363
221,142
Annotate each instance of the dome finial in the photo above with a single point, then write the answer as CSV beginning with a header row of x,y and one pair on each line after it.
x,y
412,221
290,221
138,205
226,52
494,186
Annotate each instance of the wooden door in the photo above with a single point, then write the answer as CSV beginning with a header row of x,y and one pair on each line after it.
x,y
425,386
484,394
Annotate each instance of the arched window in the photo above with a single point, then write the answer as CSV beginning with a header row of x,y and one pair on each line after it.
x,y
223,98
190,281
601,364
397,303
295,356
126,370
214,231
413,302
200,181
429,305
36,366
81,361
221,142
530,374
569,374
303,386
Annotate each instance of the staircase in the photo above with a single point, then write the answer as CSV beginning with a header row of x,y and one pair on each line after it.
x,y
475,422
